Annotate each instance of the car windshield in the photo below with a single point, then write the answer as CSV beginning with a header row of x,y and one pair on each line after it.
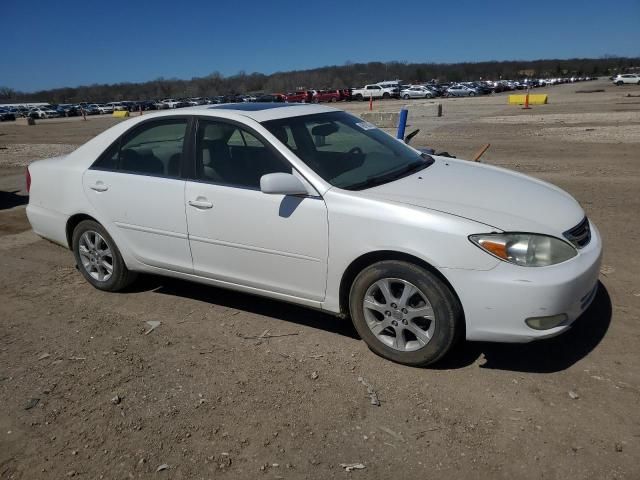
x,y
346,151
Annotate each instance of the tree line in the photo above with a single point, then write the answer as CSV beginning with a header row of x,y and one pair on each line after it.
x,y
330,77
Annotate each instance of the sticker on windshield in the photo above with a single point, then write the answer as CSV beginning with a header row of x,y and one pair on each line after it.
x,y
366,125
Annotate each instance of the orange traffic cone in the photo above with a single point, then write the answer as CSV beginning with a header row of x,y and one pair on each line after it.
x,y
370,102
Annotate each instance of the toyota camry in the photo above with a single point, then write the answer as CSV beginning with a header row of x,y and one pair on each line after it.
x,y
311,205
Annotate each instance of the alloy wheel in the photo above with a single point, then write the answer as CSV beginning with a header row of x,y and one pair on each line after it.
x,y
399,314
96,256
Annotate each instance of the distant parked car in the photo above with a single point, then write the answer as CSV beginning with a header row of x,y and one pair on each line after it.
x,y
296,97
6,115
416,91
66,110
627,78
393,87
117,106
172,103
102,108
196,101
461,91
18,111
143,105
481,88
276,97
44,112
346,94
327,96
89,109
372,91
437,89
128,105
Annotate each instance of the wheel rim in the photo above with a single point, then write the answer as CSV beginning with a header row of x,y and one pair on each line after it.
x,y
96,256
399,314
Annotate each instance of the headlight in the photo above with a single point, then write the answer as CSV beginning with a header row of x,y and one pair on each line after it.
x,y
525,249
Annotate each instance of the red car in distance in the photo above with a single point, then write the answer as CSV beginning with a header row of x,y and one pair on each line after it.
x,y
297,97
327,96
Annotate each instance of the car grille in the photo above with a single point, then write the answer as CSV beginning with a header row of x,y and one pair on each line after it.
x,y
580,235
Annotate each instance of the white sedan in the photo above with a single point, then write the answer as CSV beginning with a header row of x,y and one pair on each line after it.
x,y
311,205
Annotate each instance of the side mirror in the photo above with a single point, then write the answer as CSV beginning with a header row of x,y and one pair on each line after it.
x,y
282,184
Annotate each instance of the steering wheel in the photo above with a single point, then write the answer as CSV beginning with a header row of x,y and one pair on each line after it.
x,y
355,151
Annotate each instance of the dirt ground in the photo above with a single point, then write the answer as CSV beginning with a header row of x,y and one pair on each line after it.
x,y
85,393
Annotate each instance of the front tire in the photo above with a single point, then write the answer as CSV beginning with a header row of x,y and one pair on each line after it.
x,y
405,313
98,258
406,97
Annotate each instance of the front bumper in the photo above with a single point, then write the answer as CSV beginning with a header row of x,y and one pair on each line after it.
x,y
497,302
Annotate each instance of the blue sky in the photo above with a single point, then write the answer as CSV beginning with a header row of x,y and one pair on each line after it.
x,y
48,44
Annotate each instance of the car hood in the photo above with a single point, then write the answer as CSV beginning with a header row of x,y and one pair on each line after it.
x,y
497,197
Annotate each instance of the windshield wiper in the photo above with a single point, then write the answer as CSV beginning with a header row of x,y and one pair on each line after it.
x,y
391,176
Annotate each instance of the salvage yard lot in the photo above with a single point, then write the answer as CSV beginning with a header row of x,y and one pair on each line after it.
x,y
235,386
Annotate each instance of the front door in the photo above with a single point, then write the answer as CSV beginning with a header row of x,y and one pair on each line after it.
x,y
242,236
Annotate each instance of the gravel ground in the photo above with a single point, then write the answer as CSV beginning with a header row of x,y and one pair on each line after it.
x,y
21,154
568,118
215,391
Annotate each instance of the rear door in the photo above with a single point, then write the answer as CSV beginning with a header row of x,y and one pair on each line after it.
x,y
137,190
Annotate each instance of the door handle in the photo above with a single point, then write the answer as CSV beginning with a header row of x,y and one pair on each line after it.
x,y
99,187
201,204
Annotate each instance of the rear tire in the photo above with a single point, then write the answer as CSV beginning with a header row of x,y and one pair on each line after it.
x,y
417,330
406,97
98,258
386,95
359,97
